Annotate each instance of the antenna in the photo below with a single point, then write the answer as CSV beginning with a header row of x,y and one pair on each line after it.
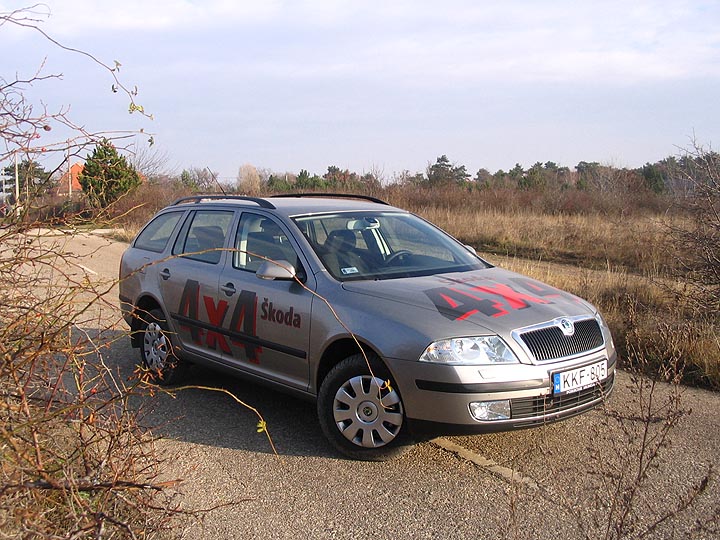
x,y
212,175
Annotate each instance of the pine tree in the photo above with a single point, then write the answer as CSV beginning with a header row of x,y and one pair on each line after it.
x,y
107,175
29,173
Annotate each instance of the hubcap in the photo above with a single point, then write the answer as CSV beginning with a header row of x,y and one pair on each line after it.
x,y
155,347
367,414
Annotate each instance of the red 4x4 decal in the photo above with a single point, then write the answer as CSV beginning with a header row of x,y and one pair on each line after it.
x,y
242,331
216,315
464,300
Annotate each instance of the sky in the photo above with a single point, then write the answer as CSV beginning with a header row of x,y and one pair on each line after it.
x,y
384,86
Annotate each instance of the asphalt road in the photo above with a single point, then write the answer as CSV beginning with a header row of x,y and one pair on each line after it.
x,y
574,479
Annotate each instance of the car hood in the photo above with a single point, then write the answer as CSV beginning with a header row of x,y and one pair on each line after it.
x,y
495,299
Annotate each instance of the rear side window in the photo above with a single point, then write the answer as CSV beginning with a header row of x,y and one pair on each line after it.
x,y
155,236
203,235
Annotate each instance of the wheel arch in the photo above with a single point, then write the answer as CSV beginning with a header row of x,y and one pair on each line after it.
x,y
339,350
353,417
144,304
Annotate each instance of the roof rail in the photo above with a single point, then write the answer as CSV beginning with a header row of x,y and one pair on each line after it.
x,y
263,203
336,195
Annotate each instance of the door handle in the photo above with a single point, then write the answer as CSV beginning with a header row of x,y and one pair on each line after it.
x,y
165,273
228,289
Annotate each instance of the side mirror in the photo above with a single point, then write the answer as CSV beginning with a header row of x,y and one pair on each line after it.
x,y
470,249
270,270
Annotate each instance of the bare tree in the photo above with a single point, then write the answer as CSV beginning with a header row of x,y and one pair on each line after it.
x,y
25,125
202,180
151,162
698,245
248,180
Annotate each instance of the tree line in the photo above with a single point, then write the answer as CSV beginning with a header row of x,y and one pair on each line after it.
x,y
108,175
675,176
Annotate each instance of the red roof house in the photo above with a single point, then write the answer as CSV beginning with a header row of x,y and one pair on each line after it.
x,y
70,177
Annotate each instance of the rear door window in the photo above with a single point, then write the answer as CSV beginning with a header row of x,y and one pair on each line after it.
x,y
203,235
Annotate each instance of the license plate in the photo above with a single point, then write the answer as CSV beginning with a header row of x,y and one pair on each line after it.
x,y
580,378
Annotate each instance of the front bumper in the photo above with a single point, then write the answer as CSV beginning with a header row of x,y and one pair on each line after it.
x,y
439,396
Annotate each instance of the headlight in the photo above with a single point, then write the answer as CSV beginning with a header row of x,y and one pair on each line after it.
x,y
469,351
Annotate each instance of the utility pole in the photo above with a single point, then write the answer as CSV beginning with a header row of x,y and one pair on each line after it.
x,y
69,171
17,187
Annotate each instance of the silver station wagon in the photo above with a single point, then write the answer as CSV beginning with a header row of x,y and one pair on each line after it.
x,y
396,329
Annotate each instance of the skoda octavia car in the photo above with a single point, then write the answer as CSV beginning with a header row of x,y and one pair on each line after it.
x,y
396,329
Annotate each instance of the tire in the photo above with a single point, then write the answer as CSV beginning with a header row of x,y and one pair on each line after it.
x,y
157,354
359,415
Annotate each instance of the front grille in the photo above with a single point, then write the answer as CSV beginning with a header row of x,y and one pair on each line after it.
x,y
542,406
550,343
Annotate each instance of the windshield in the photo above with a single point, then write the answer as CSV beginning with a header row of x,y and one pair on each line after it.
x,y
384,245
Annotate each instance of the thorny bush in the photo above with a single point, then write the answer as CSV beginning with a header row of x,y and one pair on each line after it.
x,y
73,461
639,434
612,490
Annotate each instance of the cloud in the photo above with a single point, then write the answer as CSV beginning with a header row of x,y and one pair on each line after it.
x,y
418,42
70,17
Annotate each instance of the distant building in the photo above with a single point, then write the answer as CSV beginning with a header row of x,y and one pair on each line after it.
x,y
70,178
7,192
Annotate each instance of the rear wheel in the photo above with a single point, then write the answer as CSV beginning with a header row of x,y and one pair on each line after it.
x,y
361,415
156,350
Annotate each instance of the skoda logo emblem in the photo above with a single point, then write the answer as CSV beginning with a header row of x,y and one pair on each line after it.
x,y
567,327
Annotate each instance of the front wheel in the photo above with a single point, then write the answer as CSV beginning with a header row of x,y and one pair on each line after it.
x,y
156,350
361,415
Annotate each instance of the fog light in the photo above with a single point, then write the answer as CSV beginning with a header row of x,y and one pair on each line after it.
x,y
490,410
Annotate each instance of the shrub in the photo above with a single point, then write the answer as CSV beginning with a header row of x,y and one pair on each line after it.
x,y
74,462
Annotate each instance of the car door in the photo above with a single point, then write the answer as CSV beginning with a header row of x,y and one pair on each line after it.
x,y
188,281
269,325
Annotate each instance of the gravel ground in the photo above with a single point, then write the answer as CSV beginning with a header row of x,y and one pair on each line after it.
x,y
574,479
